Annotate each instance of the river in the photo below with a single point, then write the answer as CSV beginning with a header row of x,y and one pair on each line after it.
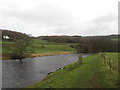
x,y
16,74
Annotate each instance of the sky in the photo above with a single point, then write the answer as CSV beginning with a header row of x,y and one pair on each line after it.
x,y
60,17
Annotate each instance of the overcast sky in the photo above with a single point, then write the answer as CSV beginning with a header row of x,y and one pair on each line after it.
x,y
60,17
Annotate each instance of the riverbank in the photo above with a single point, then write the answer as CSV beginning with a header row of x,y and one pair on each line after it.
x,y
93,73
8,56
49,49
32,70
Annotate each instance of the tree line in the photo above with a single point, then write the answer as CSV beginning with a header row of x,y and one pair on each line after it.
x,y
88,44
94,45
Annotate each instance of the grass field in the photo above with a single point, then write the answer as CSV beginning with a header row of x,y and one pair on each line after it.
x,y
49,47
93,73
115,39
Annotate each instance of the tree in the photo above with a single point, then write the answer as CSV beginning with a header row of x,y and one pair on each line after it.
x,y
97,44
101,45
23,47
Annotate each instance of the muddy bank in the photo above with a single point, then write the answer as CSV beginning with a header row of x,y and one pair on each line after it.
x,y
9,56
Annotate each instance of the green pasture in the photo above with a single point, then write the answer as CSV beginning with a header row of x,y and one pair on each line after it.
x,y
40,46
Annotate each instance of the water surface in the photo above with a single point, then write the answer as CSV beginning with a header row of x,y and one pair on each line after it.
x,y
16,74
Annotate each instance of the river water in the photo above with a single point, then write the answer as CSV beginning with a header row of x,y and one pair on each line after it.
x,y
16,74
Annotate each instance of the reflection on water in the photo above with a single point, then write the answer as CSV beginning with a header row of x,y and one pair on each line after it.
x,y
16,74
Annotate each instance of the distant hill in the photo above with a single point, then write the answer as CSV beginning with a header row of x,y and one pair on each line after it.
x,y
12,35
63,38
77,39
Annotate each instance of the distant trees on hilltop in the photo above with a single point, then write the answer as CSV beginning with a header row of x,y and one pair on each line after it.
x,y
89,44
13,35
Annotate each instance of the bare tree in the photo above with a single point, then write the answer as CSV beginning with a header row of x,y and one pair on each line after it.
x,y
23,47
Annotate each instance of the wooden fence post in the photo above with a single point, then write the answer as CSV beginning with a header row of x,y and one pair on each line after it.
x,y
102,55
110,64
104,60
80,59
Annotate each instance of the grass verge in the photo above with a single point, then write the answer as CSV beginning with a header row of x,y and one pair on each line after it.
x,y
93,73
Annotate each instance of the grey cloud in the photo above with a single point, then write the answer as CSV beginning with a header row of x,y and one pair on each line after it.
x,y
44,13
69,29
104,25
111,17
43,17
50,19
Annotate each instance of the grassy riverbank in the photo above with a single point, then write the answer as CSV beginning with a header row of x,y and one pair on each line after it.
x,y
93,73
40,47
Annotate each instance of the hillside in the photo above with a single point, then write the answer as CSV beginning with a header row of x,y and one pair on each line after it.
x,y
12,35
52,45
39,47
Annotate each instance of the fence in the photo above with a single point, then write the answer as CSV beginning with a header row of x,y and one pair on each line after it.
x,y
107,61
